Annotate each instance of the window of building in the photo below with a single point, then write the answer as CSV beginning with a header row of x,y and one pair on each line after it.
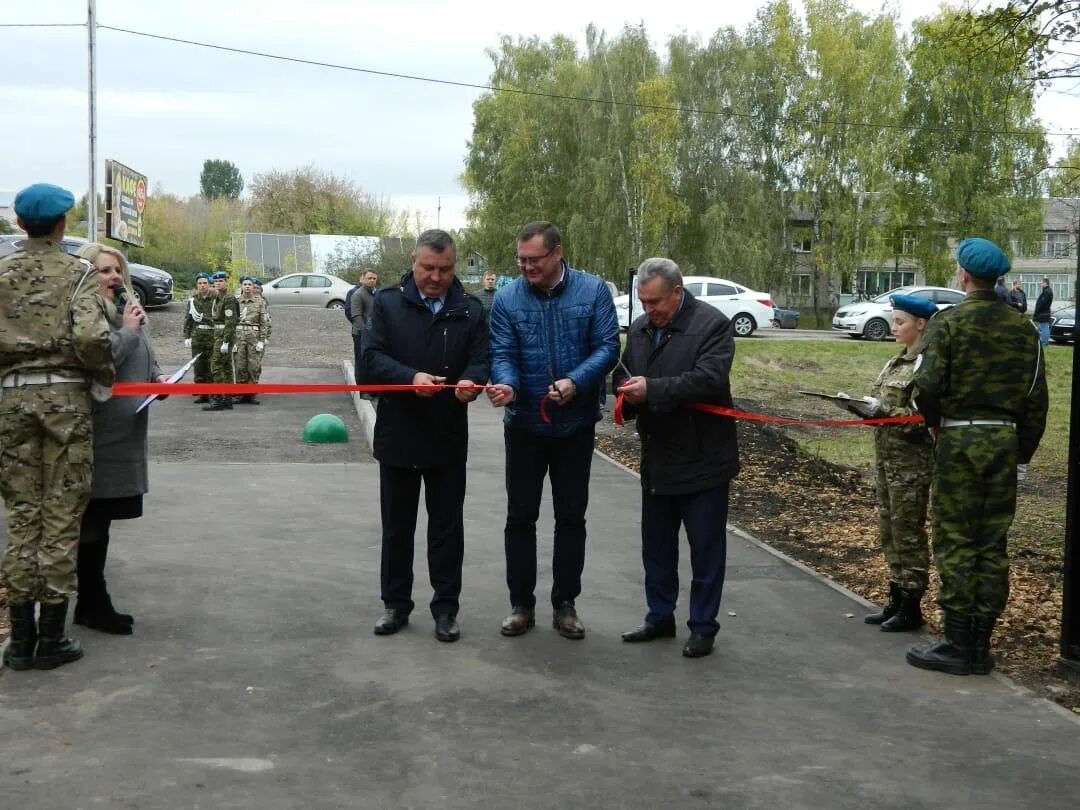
x,y
908,243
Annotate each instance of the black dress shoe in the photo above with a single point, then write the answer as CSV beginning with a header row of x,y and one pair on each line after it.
x,y
566,621
665,628
519,621
698,646
446,628
390,622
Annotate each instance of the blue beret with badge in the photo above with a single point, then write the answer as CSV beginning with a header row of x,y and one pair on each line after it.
x,y
202,275
220,276
257,283
919,307
982,258
42,202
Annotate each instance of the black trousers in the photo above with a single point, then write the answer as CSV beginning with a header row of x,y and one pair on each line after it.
x,y
358,355
567,461
399,499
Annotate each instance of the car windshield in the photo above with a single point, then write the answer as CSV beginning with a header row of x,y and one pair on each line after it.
x,y
884,297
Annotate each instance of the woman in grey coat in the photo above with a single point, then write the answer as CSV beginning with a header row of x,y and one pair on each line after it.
x,y
120,463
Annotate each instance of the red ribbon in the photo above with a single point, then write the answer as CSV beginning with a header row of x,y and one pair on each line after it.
x,y
780,420
241,389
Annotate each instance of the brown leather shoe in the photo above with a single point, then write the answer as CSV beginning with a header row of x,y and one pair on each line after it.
x,y
567,623
518,622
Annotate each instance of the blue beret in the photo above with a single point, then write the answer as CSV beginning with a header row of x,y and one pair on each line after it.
x,y
246,279
919,307
982,258
219,276
202,275
256,282
42,202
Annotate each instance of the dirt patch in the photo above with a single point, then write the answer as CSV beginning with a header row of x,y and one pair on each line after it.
x,y
825,516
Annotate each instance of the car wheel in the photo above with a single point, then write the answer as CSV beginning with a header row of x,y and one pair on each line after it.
x,y
743,325
876,329
140,295
336,305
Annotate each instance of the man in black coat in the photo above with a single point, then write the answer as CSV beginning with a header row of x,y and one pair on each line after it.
x,y
678,353
425,331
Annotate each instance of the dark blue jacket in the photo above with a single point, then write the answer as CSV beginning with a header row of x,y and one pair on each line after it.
x,y
405,338
570,332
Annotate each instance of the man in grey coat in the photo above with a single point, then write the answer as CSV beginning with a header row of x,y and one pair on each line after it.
x,y
361,307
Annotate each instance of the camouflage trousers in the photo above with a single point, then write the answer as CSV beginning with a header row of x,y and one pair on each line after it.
x,y
221,362
974,500
45,479
902,494
246,361
202,344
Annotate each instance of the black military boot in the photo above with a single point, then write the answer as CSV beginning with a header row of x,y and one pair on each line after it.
x,y
953,654
982,662
20,650
54,648
227,402
890,608
219,404
909,616
202,400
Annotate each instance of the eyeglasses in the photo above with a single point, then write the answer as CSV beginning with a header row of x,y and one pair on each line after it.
x,y
525,261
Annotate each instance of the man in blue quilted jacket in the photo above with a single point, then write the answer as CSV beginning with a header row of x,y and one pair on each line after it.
x,y
554,338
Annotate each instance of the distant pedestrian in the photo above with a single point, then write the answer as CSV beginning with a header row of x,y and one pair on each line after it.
x,y
1018,297
54,360
486,295
199,330
1002,292
903,461
677,353
361,309
225,312
425,331
252,332
981,384
1043,304
554,338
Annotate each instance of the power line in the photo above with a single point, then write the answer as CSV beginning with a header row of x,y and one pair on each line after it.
x,y
727,112
42,25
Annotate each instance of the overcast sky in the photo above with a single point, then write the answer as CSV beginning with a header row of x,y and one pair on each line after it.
x,y
163,108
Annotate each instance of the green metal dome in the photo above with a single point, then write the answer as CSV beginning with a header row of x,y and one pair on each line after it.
x,y
325,428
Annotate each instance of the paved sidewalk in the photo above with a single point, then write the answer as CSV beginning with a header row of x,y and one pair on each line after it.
x,y
254,680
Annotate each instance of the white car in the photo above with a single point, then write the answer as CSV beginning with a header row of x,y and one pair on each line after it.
x,y
873,319
307,289
746,309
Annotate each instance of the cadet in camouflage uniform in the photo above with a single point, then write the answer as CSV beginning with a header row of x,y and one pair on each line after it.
x,y
224,313
54,356
904,460
252,330
268,323
199,330
981,384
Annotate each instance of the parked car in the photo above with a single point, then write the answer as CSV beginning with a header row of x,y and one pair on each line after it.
x,y
785,318
153,287
308,290
1063,325
873,319
746,309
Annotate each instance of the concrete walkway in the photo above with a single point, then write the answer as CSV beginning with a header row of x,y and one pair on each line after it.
x,y
254,680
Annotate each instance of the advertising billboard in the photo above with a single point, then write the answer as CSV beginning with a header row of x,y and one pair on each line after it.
x,y
125,200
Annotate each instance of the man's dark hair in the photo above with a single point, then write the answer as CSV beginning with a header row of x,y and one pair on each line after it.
x,y
551,234
435,239
38,228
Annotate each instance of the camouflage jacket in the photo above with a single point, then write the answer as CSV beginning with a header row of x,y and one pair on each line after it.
x,y
200,311
981,359
254,312
900,443
225,312
52,316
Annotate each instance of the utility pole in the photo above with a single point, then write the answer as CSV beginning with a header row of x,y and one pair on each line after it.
x,y
91,39
1070,586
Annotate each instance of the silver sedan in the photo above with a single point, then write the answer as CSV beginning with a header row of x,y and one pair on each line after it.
x,y
308,290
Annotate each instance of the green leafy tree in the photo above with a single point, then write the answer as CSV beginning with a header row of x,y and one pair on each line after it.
x,y
220,179
1065,181
975,153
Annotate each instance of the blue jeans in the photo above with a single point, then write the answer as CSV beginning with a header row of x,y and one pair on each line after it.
x,y
704,514
1044,333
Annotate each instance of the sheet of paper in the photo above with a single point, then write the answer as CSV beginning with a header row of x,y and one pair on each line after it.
x,y
175,378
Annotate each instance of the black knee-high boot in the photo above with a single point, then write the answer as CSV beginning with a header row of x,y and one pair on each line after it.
x,y
94,608
54,648
20,650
